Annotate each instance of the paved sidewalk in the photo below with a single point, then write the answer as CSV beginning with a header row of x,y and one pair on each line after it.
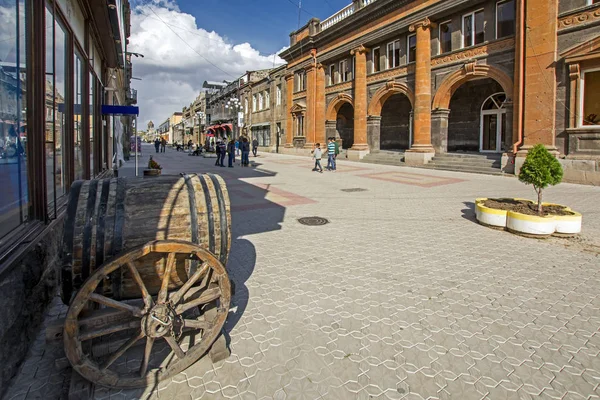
x,y
401,295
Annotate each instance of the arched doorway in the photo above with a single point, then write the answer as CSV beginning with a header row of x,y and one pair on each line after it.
x,y
396,131
465,122
345,125
493,138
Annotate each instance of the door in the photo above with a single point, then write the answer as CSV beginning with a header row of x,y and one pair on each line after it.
x,y
493,124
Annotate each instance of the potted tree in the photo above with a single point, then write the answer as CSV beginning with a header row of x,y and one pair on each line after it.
x,y
540,169
154,168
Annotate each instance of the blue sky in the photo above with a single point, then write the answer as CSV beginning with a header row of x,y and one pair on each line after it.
x,y
186,42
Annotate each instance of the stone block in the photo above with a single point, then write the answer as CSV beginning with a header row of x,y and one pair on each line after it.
x,y
355,155
417,158
507,164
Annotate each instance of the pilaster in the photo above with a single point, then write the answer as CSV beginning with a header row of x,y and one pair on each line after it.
x,y
289,126
311,105
422,151
439,129
360,99
320,130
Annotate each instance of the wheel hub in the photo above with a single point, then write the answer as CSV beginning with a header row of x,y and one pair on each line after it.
x,y
159,321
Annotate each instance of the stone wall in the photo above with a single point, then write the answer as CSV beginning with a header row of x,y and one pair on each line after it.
x,y
26,290
465,112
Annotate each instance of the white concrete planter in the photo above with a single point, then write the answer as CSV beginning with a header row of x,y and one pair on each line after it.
x,y
489,216
529,225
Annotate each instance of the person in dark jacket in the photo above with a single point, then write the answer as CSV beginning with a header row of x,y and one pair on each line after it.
x,y
157,144
245,152
218,153
231,152
223,151
254,146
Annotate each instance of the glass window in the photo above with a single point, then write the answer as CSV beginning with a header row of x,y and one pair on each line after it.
x,y
591,98
376,56
473,29
254,103
445,37
267,99
92,115
332,78
278,99
505,18
77,111
344,72
14,197
412,48
260,101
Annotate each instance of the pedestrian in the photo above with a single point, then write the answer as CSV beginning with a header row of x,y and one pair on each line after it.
x,y
245,152
237,147
317,157
223,151
157,144
231,152
190,143
163,145
218,153
330,155
254,146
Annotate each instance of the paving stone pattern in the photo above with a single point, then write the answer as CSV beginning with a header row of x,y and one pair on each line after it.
x,y
401,296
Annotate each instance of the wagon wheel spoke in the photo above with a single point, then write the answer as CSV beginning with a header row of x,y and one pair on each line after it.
x,y
195,324
98,298
175,346
138,279
176,298
162,295
121,350
206,297
147,353
107,330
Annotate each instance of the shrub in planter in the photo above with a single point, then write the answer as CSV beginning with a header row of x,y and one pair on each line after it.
x,y
540,169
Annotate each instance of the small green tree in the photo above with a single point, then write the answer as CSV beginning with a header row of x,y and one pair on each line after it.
x,y
540,170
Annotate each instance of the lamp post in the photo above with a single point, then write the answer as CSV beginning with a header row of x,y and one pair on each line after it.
x,y
234,105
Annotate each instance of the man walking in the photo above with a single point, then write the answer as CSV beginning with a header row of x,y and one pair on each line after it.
x,y
330,155
245,152
231,152
218,153
157,144
254,146
163,145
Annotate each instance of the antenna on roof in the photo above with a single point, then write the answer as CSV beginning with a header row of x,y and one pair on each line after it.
x,y
299,12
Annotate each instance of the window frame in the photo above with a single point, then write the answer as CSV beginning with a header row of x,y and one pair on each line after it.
x,y
448,22
392,65
332,80
278,95
343,71
254,102
408,59
581,95
267,99
496,22
375,61
473,24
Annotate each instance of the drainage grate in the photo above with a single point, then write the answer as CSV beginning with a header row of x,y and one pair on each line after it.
x,y
351,190
313,221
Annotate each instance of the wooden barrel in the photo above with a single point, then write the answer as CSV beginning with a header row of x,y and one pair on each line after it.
x,y
107,217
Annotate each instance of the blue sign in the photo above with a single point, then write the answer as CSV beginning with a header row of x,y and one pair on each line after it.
x,y
122,110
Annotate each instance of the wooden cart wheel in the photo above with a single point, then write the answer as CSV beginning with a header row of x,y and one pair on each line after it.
x,y
176,323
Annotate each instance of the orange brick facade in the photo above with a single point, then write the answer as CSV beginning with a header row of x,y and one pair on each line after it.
x,y
480,77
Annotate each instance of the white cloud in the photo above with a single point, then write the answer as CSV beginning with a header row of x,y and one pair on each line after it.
x,y
172,71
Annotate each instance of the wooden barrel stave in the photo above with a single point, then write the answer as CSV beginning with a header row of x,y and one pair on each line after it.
x,y
109,216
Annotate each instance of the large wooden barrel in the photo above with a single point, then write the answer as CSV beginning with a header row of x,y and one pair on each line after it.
x,y
107,217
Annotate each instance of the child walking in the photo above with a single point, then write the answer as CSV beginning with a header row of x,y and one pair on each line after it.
x,y
317,154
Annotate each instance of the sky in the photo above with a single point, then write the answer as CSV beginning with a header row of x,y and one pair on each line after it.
x,y
185,42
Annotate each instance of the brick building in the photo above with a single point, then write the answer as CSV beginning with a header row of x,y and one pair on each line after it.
x,y
428,77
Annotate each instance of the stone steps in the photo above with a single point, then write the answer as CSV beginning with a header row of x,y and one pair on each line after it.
x,y
384,158
463,168
474,163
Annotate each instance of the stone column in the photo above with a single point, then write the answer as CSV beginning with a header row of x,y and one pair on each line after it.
x,y
331,128
289,130
360,147
421,151
311,106
439,129
374,132
320,131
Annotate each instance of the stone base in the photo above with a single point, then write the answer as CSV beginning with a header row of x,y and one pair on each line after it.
x,y
356,155
581,171
417,158
508,163
295,151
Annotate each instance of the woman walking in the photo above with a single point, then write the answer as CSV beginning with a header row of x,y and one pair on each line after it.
x,y
245,152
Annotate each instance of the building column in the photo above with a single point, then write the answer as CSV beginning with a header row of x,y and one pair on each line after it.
x,y
539,86
289,126
331,128
422,151
360,147
311,106
439,129
320,131
374,132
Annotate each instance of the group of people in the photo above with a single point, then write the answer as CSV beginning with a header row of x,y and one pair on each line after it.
x,y
333,149
160,143
233,148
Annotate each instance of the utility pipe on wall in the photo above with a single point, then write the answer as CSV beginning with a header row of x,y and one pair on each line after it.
x,y
520,68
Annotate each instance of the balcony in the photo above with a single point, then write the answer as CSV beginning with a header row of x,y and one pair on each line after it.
x,y
132,96
345,13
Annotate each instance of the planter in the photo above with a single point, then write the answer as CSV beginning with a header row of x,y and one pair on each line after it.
x,y
528,225
152,172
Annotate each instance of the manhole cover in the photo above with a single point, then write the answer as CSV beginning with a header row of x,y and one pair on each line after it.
x,y
313,221
354,190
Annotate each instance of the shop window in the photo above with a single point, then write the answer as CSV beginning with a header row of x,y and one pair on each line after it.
x,y
393,54
505,18
445,37
412,48
14,196
473,29
376,60
78,120
92,119
590,98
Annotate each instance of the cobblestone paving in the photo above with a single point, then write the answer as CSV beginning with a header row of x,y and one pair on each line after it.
x,y
401,296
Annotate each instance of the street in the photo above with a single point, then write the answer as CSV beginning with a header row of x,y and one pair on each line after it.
x,y
400,295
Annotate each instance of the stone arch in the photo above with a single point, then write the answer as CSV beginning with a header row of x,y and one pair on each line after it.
x,y
385,92
469,72
336,104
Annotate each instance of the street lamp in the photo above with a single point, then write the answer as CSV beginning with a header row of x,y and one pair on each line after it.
x,y
234,105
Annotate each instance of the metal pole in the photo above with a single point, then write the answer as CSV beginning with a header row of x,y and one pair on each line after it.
x,y
136,145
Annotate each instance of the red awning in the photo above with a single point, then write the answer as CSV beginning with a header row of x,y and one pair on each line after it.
x,y
230,126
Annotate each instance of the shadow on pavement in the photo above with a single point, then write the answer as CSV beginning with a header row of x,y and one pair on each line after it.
x,y
469,212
